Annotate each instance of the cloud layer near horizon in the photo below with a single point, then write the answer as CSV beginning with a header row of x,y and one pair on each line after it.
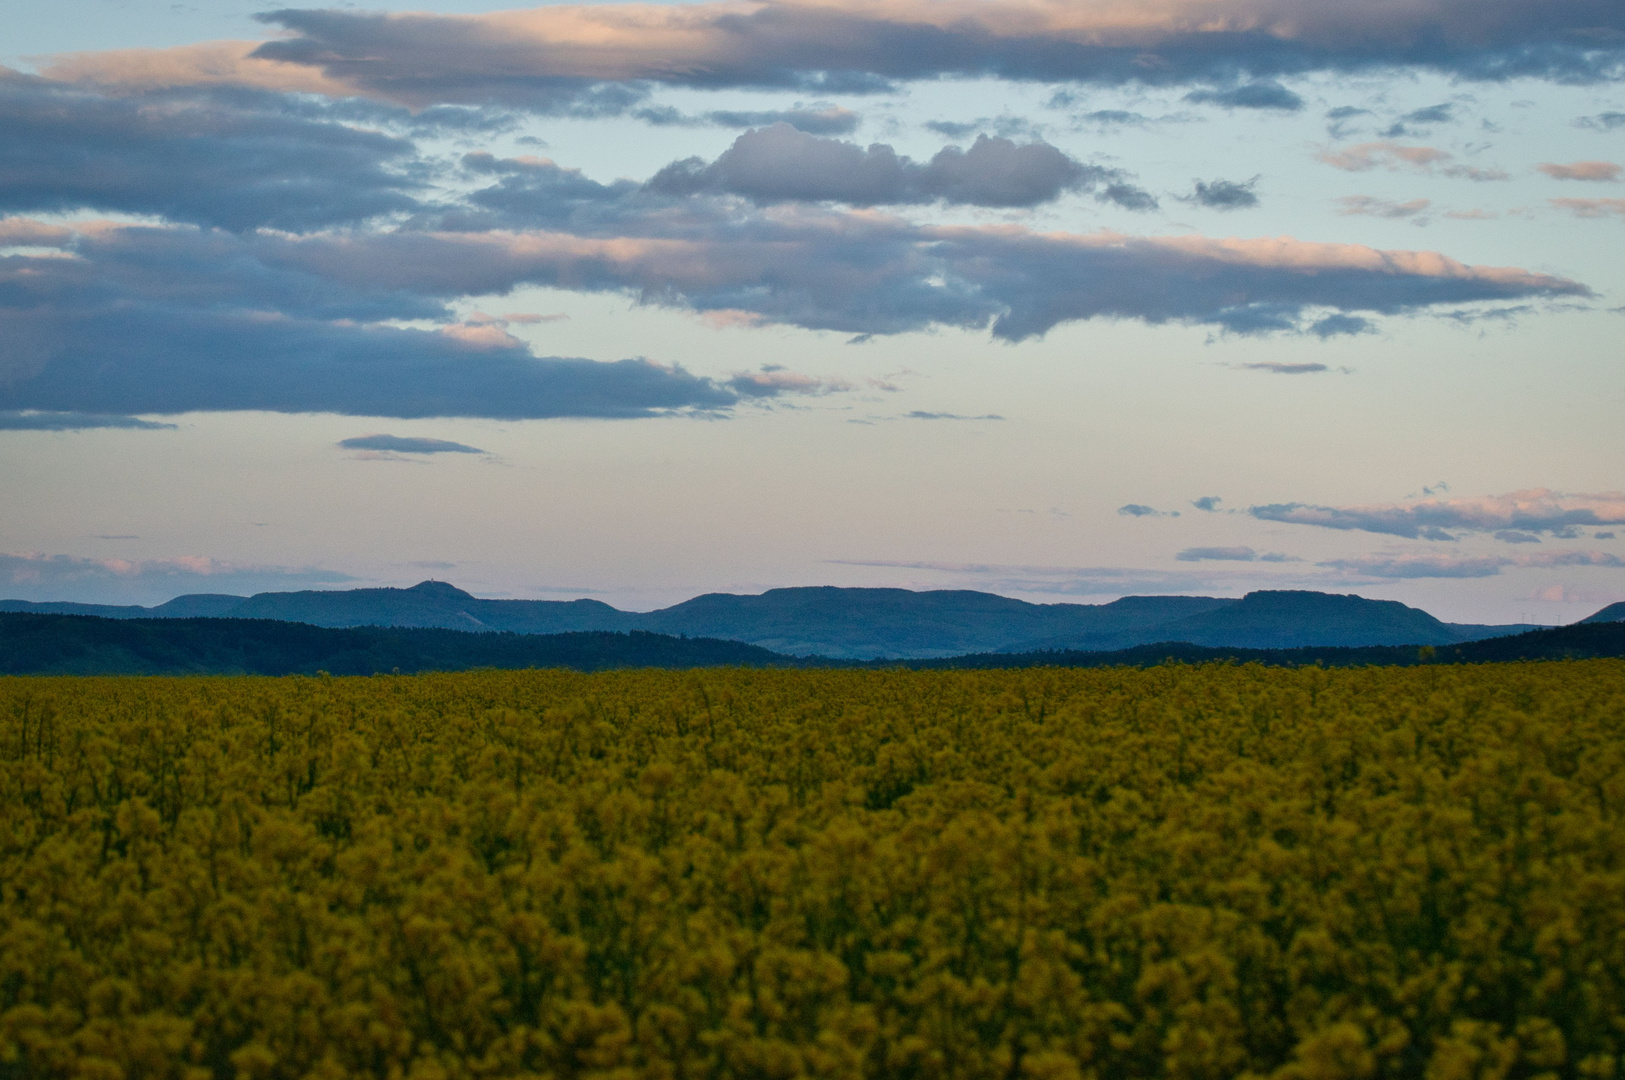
x,y
590,58
1534,511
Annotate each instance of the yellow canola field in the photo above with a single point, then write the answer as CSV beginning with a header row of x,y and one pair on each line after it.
x,y
1205,873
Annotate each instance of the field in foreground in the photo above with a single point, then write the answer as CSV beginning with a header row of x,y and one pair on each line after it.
x,y
1193,872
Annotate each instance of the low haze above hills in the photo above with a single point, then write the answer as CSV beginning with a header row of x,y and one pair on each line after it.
x,y
861,623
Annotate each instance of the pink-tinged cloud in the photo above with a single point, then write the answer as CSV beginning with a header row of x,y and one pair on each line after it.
x,y
1386,154
1371,206
1536,510
210,63
535,54
1591,208
26,232
1598,171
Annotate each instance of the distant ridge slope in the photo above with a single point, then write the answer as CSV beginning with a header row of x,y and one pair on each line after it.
x,y
433,604
1611,613
1293,619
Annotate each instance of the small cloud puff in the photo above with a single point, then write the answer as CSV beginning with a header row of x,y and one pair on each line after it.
x,y
773,380
1371,206
1225,194
1275,367
1210,503
1266,94
1141,510
1233,554
1591,208
780,163
397,444
1217,554
1596,171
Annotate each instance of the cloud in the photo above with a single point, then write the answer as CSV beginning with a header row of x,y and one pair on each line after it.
x,y
1608,121
1095,581
918,414
1210,503
781,164
1111,117
234,160
1432,565
1538,510
820,118
774,381
1141,510
1391,156
1433,114
565,57
1371,206
43,577
866,273
30,420
143,320
1225,194
1217,554
1591,208
1418,566
1257,95
1603,171
1340,118
407,445
1513,536
140,320
1276,367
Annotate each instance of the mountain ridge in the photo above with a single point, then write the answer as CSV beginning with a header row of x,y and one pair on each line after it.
x,y
854,623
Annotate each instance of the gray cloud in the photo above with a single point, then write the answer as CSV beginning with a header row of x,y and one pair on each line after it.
x,y
151,320
1209,503
866,273
1433,114
1225,194
917,414
1440,565
1217,554
1371,206
1607,121
1340,120
1141,510
1513,536
820,118
1417,566
1535,511
399,444
238,161
1266,94
781,164
160,320
1275,367
588,57
20,420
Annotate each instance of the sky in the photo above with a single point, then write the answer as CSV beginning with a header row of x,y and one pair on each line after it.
x,y
1059,299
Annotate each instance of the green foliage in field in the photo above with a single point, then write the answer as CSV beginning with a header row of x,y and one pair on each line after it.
x,y
1195,873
